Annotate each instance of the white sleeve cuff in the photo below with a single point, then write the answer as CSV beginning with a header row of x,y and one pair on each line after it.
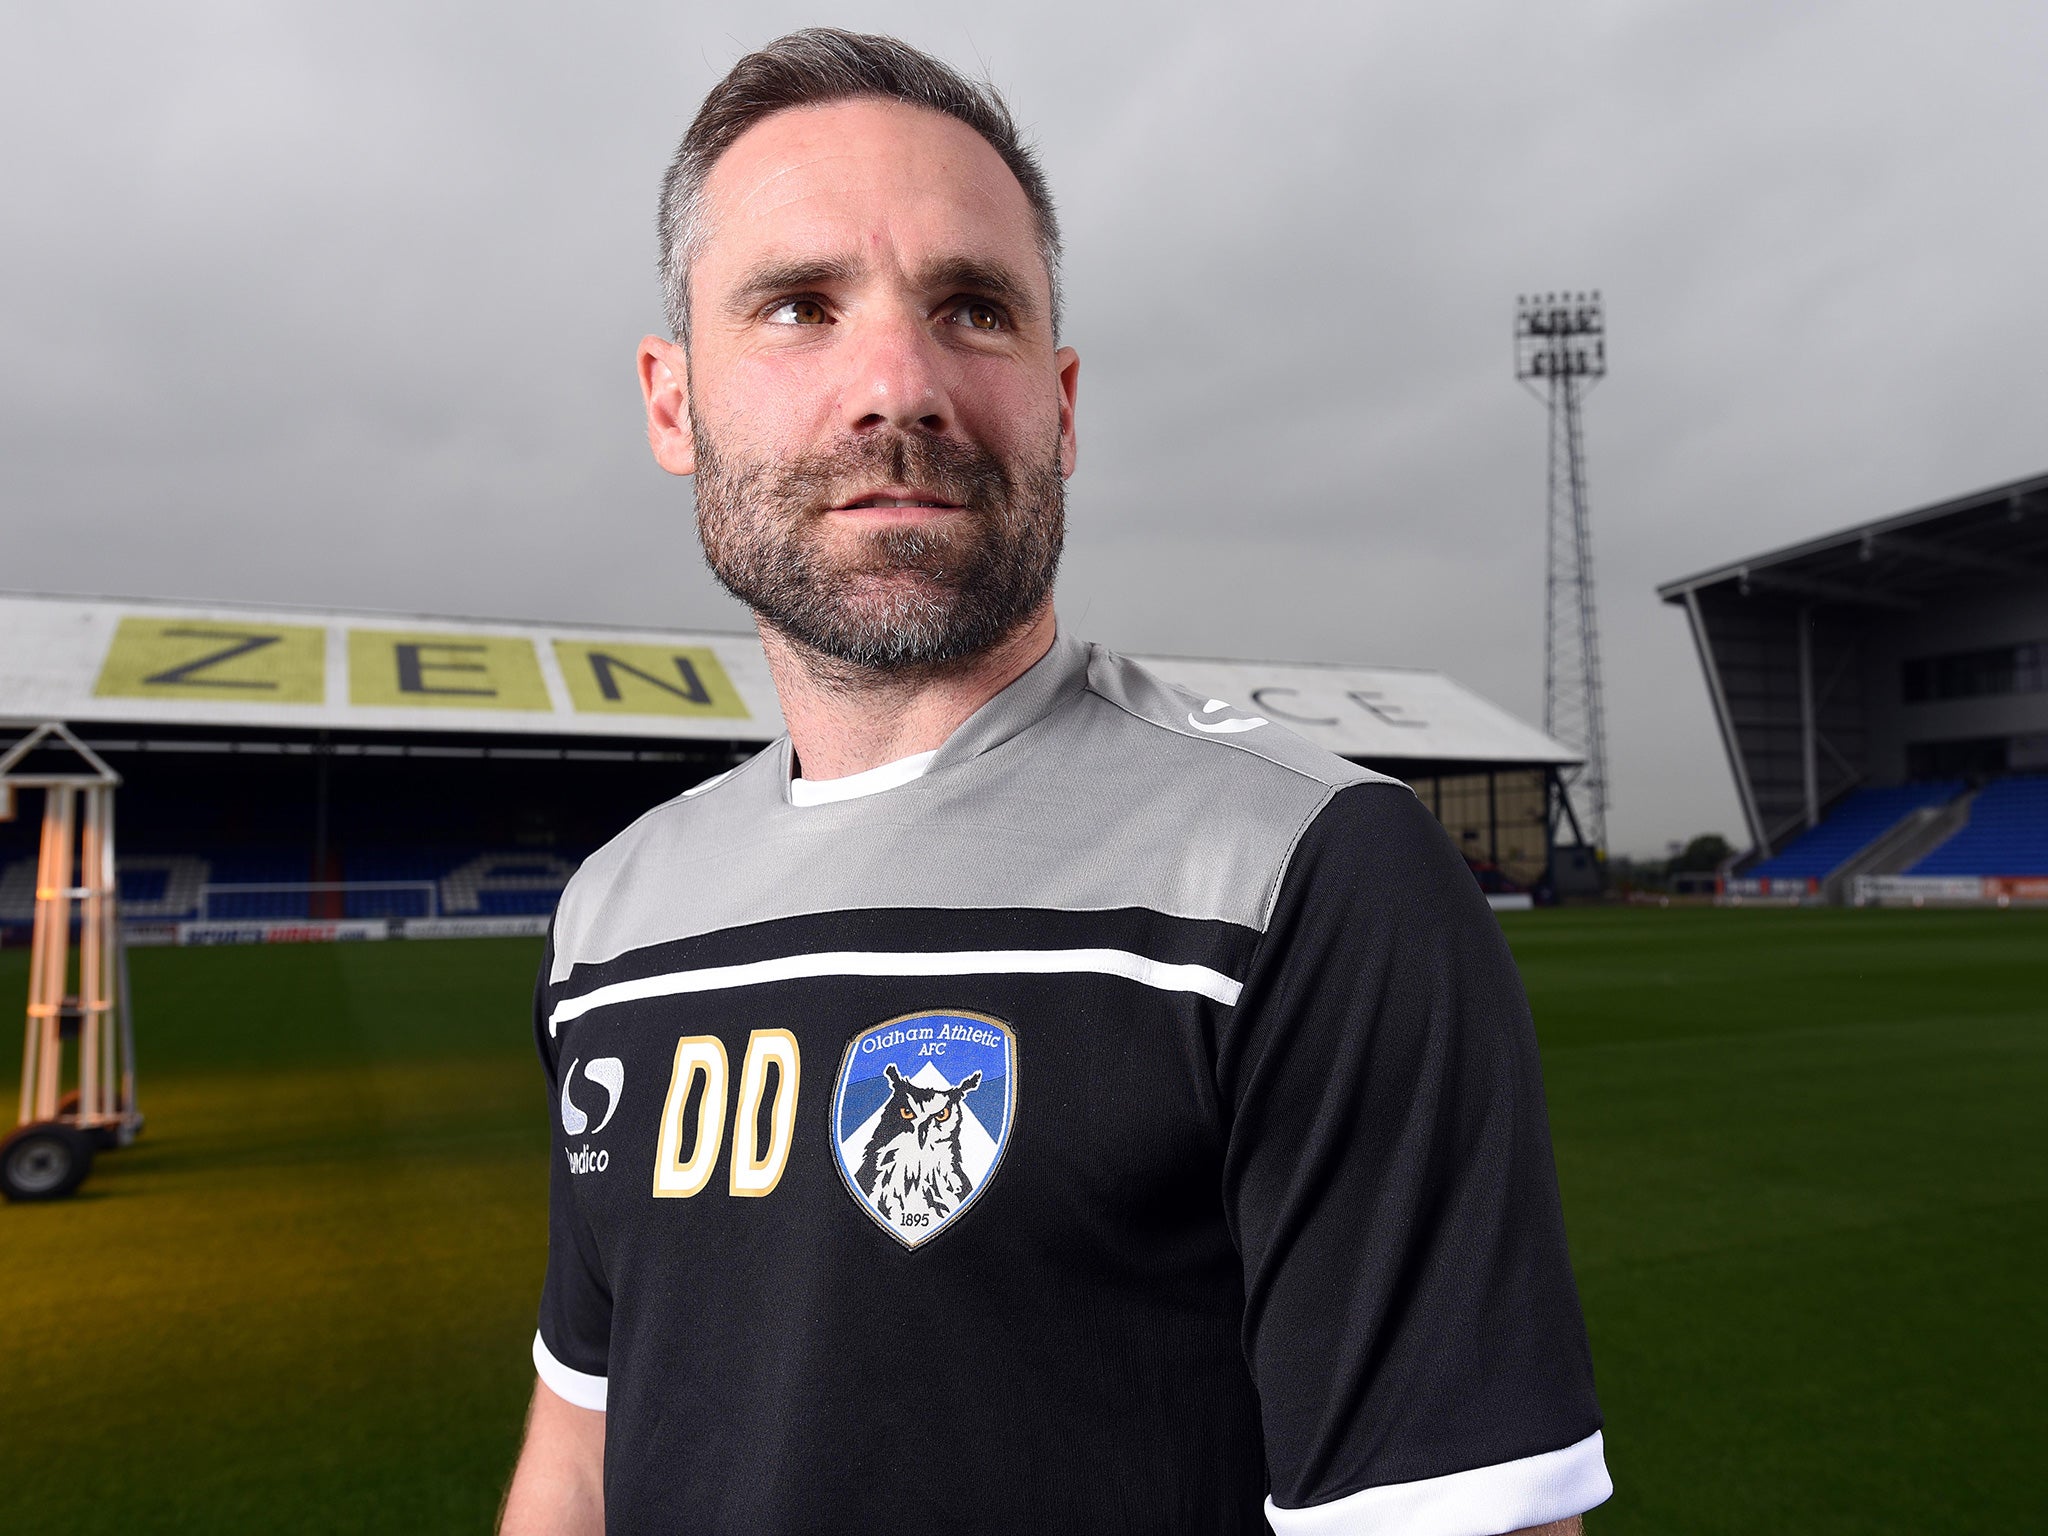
x,y
1485,1501
576,1387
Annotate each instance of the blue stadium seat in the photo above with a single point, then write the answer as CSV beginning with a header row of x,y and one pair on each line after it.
x,y
2007,833
256,866
450,880
468,881
1857,821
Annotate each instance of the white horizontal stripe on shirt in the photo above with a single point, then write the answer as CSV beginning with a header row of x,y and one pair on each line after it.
x,y
1198,979
572,1386
1485,1501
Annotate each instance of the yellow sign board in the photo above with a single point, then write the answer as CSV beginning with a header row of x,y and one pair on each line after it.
x,y
215,659
260,663
606,679
445,670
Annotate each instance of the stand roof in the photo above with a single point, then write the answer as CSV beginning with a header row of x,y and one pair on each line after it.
x,y
232,667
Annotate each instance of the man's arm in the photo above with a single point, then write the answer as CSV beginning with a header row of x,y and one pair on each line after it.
x,y
1410,1315
557,1488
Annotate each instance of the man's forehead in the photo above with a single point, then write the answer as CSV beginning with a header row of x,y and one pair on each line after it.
x,y
862,168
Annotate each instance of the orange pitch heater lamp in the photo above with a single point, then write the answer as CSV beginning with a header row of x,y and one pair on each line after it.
x,y
48,1155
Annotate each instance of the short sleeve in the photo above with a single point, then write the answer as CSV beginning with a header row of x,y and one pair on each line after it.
x,y
1410,1315
572,1343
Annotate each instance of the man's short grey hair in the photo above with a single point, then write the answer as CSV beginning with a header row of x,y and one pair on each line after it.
x,y
813,68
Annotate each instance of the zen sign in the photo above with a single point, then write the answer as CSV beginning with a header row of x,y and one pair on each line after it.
x,y
258,663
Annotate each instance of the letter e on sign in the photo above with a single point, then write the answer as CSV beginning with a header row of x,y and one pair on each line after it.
x,y
444,671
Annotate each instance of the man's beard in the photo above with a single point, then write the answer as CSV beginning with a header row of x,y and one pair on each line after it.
x,y
914,598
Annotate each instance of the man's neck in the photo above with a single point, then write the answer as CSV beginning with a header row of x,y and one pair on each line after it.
x,y
845,720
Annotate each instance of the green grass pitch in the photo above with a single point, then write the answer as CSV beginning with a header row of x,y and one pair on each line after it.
x,y
1803,1156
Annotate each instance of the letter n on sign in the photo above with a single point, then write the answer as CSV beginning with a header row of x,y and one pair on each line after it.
x,y
607,679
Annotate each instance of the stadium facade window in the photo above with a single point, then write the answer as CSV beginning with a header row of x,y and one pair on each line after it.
x,y
1999,670
1498,827
1957,759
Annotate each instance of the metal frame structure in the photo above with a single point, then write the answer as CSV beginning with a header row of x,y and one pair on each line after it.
x,y
1560,354
75,867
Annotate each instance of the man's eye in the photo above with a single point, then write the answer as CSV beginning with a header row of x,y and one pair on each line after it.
x,y
798,312
977,315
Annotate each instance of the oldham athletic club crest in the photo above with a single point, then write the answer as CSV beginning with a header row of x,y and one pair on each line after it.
x,y
920,1116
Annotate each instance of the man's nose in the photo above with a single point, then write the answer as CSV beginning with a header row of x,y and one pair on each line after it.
x,y
897,376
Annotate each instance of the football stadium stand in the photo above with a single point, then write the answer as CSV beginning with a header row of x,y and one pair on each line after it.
x,y
301,774
2006,835
1861,818
1882,695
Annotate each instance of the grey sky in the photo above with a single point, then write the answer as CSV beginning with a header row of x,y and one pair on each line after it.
x,y
337,305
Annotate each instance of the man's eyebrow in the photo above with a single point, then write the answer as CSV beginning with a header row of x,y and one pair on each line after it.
x,y
776,279
990,280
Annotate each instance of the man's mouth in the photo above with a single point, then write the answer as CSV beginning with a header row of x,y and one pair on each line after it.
x,y
898,498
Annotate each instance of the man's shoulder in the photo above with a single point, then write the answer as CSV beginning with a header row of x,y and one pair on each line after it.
x,y
714,799
1215,738
1233,792
678,831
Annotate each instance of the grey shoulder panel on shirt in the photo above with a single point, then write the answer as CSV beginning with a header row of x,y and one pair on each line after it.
x,y
592,900
1110,798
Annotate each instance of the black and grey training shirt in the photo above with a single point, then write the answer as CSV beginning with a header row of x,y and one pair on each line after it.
x,y
1132,1123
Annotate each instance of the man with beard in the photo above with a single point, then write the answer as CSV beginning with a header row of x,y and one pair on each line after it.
x,y
1027,1097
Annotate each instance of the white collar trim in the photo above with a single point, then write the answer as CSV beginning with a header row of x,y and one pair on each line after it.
x,y
872,781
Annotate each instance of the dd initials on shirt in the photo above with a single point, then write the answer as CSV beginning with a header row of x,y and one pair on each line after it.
x,y
680,1171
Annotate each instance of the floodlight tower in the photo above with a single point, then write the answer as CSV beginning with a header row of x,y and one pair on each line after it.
x,y
1560,354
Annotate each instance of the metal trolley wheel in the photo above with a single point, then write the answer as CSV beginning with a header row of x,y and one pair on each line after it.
x,y
105,1136
45,1160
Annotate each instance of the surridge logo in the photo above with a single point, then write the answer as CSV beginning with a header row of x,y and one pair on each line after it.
x,y
921,1115
1224,727
609,1073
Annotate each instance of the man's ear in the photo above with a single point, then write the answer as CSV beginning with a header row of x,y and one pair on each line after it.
x,y
665,385
1068,363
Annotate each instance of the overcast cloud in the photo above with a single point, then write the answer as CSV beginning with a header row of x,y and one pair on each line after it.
x,y
337,305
